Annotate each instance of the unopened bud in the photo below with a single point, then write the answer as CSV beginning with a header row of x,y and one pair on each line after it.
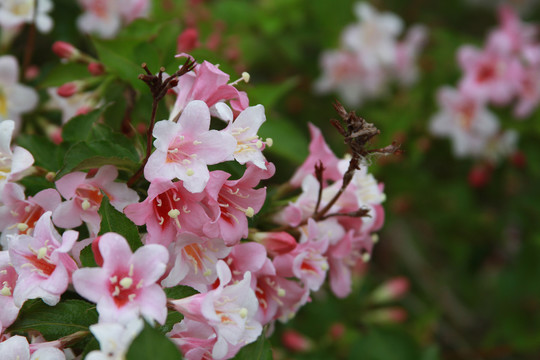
x,y
479,176
96,68
50,176
389,315
65,50
337,330
295,341
97,253
68,89
391,290
187,40
276,243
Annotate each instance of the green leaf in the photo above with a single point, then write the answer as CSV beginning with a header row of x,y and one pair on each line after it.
x,y
289,141
152,344
53,322
258,350
269,95
44,151
94,154
79,128
64,73
114,221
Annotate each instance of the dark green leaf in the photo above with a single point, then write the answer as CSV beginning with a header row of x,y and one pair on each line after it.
x,y
152,344
79,128
43,151
53,322
64,73
289,142
114,221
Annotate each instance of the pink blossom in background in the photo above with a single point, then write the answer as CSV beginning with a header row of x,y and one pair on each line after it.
x,y
125,286
42,262
77,104
184,149
83,196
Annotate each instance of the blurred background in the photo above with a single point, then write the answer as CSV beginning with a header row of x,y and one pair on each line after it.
x,y
455,273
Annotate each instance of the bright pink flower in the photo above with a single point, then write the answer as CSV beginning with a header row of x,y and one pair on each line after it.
x,y
276,243
184,149
236,200
19,215
125,286
42,262
169,210
84,195
488,76
12,163
228,309
306,262
209,84
318,152
194,261
65,50
8,279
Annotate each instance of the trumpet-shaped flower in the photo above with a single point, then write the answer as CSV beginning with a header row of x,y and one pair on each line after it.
x,y
12,164
8,279
42,262
184,149
125,286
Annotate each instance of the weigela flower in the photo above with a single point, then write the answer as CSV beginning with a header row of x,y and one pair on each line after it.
x,y
168,211
125,286
209,84
8,279
19,215
17,348
184,149
77,104
12,164
194,261
465,120
319,151
105,17
407,52
15,98
84,195
306,262
42,262
244,129
228,309
14,13
235,200
114,339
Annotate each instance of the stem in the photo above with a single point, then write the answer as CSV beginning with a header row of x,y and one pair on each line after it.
x,y
30,41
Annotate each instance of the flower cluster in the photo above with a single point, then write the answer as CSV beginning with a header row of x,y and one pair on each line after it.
x,y
371,56
196,221
505,71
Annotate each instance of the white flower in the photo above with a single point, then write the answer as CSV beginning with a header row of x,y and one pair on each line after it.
x,y
12,164
17,12
114,339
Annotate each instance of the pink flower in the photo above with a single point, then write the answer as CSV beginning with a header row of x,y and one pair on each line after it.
x,y
244,129
465,120
194,261
407,52
169,210
319,151
42,262
187,40
228,309
8,279
184,149
236,200
209,84
125,286
276,243
488,76
12,163
84,195
306,262
19,215
513,36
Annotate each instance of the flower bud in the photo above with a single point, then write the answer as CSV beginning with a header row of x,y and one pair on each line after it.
x,y
479,176
65,50
276,243
391,290
518,159
187,40
68,89
97,253
390,315
337,330
295,341
96,68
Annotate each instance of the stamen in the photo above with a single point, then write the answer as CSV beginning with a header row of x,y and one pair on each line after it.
x,y
126,282
173,213
85,205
